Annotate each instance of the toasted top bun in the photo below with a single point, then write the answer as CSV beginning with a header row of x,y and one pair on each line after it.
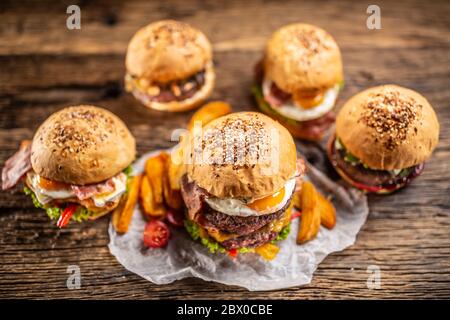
x,y
302,57
82,145
388,127
244,155
167,50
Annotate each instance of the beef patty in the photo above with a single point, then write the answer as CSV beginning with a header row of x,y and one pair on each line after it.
x,y
252,240
359,173
251,229
201,212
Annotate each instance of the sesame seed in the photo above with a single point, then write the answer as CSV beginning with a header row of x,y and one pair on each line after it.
x,y
391,115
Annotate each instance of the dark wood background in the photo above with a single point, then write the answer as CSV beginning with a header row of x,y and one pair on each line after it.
x,y
44,67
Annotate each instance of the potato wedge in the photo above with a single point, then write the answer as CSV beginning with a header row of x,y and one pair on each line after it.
x,y
209,112
310,218
175,172
117,213
148,203
155,168
327,212
297,199
123,213
172,197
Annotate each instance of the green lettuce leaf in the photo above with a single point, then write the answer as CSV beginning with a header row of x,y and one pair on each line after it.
x,y
194,231
283,234
128,171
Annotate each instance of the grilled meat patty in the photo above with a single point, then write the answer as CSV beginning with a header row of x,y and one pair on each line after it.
x,y
202,213
250,229
252,240
363,175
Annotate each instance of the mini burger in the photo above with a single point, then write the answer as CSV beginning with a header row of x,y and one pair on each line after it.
x,y
169,66
239,181
299,79
383,137
77,166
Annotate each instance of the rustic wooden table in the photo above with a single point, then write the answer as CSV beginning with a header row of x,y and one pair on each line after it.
x,y
44,67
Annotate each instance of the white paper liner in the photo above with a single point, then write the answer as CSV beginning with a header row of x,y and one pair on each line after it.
x,y
293,266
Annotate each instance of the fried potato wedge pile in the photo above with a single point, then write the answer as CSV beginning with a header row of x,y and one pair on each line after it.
x,y
315,209
160,187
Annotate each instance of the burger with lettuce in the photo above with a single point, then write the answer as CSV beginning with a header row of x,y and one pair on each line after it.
x,y
242,173
383,137
77,166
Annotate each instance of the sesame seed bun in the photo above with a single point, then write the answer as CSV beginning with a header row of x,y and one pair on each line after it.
x,y
258,157
82,145
167,50
301,57
388,127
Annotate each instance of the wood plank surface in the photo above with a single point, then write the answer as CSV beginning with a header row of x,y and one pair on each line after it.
x,y
44,67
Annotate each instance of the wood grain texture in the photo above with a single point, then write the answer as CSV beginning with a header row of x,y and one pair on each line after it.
x,y
45,67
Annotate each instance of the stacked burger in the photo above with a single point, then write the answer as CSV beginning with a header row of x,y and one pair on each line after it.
x,y
241,175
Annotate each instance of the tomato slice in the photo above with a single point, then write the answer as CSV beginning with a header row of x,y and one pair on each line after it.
x,y
156,234
175,218
233,253
64,218
296,214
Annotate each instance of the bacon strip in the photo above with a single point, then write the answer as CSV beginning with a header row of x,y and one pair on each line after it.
x,y
90,190
16,166
276,96
193,197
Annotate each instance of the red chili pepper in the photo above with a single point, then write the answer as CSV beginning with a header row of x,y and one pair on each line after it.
x,y
296,214
233,253
66,215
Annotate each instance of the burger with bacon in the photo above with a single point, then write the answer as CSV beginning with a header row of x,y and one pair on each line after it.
x,y
241,174
299,79
77,166
383,137
169,66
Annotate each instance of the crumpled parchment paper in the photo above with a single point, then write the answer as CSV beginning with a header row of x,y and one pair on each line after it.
x,y
293,266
